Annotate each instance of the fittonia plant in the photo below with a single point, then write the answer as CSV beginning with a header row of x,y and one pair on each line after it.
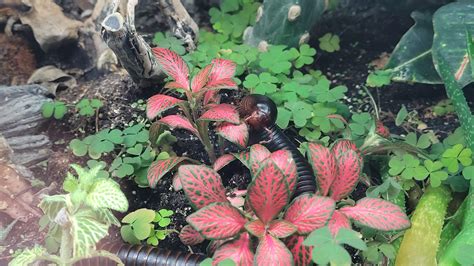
x,y
200,107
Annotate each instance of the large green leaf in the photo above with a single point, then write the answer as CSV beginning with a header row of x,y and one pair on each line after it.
x,y
411,60
451,24
106,193
51,205
86,232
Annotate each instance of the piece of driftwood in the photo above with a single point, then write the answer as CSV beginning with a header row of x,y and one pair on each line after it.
x,y
135,55
181,23
20,123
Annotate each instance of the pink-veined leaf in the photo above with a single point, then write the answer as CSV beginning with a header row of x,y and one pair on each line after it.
x,y
301,254
189,236
202,185
210,96
201,78
214,245
349,167
343,145
176,182
338,221
238,250
237,134
221,74
310,212
222,113
160,103
281,228
223,161
159,168
378,214
243,157
174,66
255,227
177,121
284,160
217,221
271,251
324,166
268,193
258,154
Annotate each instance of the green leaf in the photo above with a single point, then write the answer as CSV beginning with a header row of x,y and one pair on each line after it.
x,y
379,78
411,60
51,205
106,193
305,57
283,118
28,256
60,110
86,233
47,109
329,43
401,116
145,215
152,241
78,147
128,236
141,229
351,238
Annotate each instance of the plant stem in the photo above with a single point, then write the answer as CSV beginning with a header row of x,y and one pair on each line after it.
x,y
203,128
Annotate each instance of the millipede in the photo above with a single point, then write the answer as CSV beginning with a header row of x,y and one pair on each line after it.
x,y
260,114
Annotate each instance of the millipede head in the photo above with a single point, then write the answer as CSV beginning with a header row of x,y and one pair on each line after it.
x,y
258,111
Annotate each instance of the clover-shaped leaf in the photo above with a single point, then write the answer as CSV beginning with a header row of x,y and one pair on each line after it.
x,y
436,175
264,83
277,59
56,109
455,155
468,173
323,92
408,167
423,142
329,43
167,40
305,56
379,78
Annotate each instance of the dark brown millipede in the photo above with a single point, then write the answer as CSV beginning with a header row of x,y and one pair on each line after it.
x,y
143,255
260,113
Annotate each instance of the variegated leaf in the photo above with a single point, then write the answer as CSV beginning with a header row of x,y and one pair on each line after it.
x,y
174,66
160,103
222,113
202,185
268,193
211,96
255,227
349,167
86,233
189,236
221,74
217,221
244,158
281,228
201,78
214,245
378,214
177,121
343,145
338,221
237,134
301,254
284,160
238,250
258,154
324,166
309,212
159,168
271,251
106,193
223,161
177,186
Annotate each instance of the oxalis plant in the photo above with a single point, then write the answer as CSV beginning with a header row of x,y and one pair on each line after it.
x,y
278,224
78,220
200,107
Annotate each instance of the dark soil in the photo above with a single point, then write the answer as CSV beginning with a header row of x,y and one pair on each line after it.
x,y
367,30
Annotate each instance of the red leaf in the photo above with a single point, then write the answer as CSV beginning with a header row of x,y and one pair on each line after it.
x,y
177,121
202,185
237,134
256,228
221,74
159,103
338,221
302,254
222,112
343,145
324,166
244,158
217,221
201,78
309,212
189,236
223,161
284,160
381,129
349,166
210,96
268,192
281,228
159,168
174,66
378,214
238,250
271,251
258,154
